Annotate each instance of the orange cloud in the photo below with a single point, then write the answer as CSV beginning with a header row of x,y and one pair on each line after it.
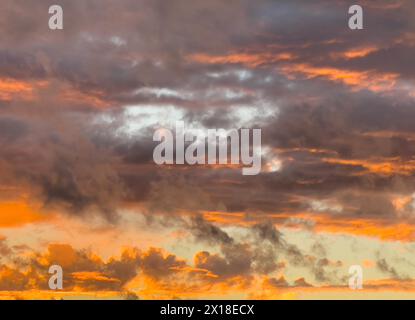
x,y
14,214
390,134
357,79
95,98
258,289
91,280
372,289
383,229
248,59
368,264
11,89
356,53
368,79
98,279
385,166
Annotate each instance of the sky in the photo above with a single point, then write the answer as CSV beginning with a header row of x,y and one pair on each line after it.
x,y
79,187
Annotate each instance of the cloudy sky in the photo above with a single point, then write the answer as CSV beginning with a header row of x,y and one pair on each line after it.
x,y
79,188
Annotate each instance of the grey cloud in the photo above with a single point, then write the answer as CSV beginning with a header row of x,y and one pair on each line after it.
x,y
204,231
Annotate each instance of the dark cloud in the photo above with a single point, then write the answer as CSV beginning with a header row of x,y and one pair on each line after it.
x,y
279,283
265,252
5,250
387,269
301,282
236,260
66,135
267,231
204,231
156,265
12,129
